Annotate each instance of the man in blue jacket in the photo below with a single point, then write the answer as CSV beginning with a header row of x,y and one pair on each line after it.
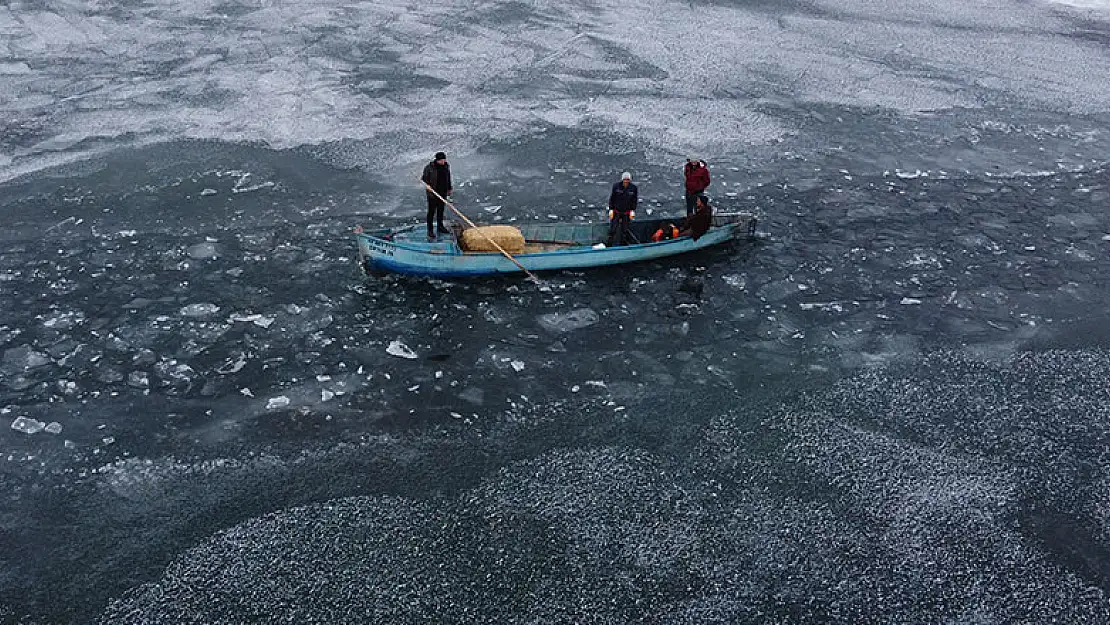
x,y
622,209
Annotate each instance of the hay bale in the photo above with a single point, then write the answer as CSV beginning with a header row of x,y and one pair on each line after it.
x,y
508,237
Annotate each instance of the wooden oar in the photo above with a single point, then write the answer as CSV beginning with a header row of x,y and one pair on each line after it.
x,y
484,235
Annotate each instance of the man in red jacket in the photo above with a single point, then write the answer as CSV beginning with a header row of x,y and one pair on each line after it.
x,y
697,180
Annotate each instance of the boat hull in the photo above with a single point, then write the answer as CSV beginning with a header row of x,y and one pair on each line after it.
x,y
385,252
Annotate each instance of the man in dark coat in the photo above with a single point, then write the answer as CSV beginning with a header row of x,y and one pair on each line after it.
x,y
699,222
622,209
437,175
697,181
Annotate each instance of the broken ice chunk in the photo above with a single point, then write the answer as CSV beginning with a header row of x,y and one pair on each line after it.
x,y
274,403
735,281
400,350
567,322
518,365
53,428
256,319
473,395
21,359
199,310
232,366
203,251
28,426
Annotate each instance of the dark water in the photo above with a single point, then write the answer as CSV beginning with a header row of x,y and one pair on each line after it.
x,y
889,409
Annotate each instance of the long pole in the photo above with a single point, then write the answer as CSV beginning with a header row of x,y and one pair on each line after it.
x,y
484,235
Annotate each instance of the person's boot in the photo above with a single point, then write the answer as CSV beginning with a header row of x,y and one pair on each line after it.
x,y
443,229
431,235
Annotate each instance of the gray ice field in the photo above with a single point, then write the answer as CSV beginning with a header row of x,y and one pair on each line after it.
x,y
890,409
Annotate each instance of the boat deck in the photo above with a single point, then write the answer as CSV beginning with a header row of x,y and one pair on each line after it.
x,y
539,238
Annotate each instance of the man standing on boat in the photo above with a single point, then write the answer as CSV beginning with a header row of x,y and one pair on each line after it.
x,y
437,175
697,181
622,209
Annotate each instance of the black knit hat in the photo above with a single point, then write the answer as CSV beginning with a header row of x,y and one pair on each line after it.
x,y
440,156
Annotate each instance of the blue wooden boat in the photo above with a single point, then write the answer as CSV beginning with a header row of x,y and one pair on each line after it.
x,y
548,246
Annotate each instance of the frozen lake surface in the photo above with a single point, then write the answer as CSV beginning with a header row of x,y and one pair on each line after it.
x,y
890,409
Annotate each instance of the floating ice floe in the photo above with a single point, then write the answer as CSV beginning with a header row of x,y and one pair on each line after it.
x,y
199,310
28,425
258,320
905,175
203,251
517,365
22,359
64,320
735,281
473,395
242,184
53,428
274,403
400,350
910,300
232,366
825,306
568,322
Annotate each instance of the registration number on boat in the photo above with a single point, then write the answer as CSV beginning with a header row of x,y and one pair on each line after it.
x,y
380,247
